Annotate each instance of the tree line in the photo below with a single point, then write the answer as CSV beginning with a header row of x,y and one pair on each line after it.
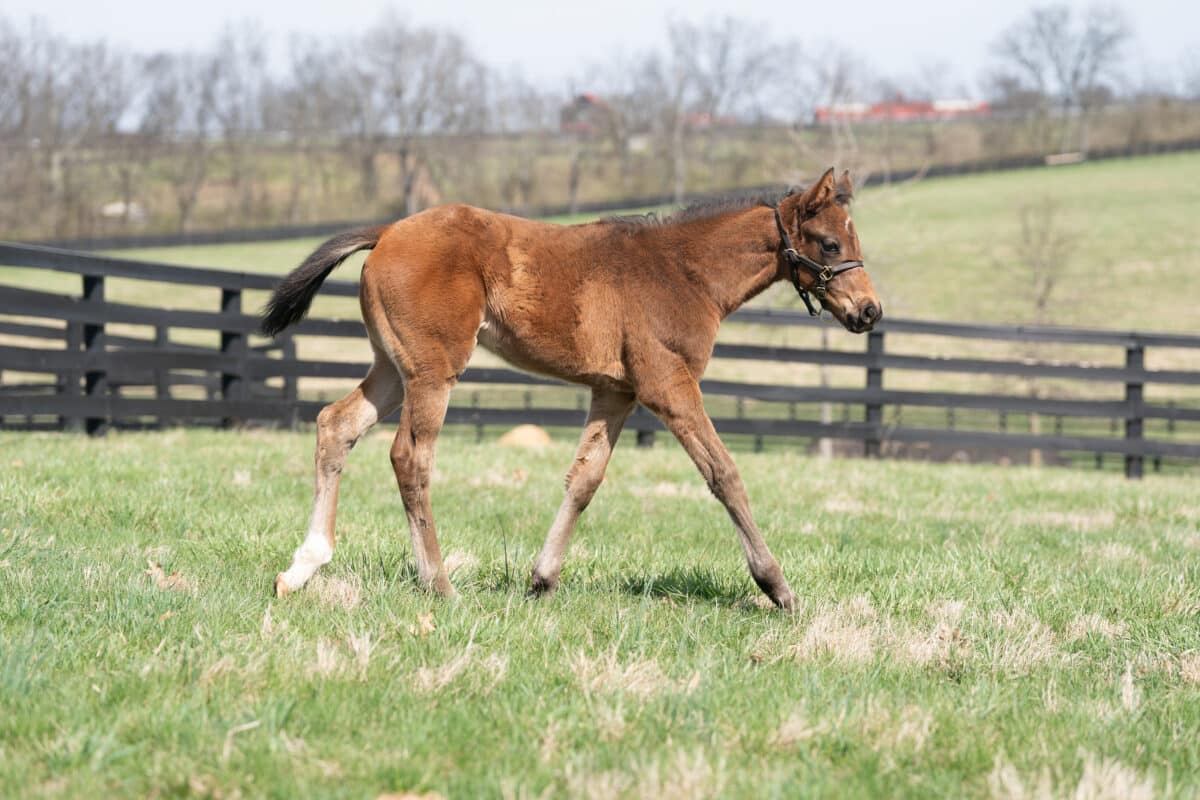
x,y
96,138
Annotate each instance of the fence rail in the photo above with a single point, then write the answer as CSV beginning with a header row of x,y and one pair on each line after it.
x,y
93,378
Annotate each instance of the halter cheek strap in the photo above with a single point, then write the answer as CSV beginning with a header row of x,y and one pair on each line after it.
x,y
822,274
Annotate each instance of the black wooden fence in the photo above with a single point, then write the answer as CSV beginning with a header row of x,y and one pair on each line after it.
x,y
62,366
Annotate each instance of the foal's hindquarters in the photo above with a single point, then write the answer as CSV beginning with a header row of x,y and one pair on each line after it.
x,y
422,321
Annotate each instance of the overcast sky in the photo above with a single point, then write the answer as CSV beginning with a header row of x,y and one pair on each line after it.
x,y
552,40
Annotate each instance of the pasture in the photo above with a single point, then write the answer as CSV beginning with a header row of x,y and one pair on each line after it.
x,y
964,631
943,248
938,249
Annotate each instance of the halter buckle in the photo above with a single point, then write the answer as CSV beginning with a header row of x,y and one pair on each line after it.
x,y
826,274
819,291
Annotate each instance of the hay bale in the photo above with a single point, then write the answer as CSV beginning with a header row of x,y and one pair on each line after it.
x,y
530,437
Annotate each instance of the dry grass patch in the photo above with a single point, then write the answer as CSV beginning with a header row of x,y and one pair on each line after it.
x,y
361,646
843,633
1093,624
604,673
1131,695
460,560
945,647
502,479
1024,642
486,673
1189,667
343,593
888,730
1076,521
798,728
328,661
430,680
686,491
946,612
682,775
1102,779
1116,553
844,504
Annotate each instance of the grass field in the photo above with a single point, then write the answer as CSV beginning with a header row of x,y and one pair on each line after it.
x,y
964,631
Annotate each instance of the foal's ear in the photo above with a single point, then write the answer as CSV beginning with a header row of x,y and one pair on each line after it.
x,y
819,195
845,188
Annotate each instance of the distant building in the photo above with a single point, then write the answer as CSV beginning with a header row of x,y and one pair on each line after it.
x,y
586,114
901,110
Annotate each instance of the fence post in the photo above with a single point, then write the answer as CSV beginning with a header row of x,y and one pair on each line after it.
x,y
95,374
874,410
69,388
645,436
1135,359
233,345
291,391
162,375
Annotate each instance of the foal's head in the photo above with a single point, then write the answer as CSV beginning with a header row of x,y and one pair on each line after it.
x,y
818,220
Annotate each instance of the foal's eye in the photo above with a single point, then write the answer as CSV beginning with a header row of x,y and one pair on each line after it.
x,y
830,246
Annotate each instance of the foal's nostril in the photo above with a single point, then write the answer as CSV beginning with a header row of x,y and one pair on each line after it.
x,y
870,313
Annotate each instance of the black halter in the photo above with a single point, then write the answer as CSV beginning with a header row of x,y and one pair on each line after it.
x,y
822,273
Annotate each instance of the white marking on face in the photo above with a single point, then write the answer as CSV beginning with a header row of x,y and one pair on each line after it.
x,y
848,221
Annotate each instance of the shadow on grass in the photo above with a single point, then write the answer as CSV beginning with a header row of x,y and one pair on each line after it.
x,y
684,583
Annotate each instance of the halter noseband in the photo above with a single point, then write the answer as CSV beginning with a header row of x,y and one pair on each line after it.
x,y
822,273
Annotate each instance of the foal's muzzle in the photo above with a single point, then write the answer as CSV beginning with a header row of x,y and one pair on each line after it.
x,y
864,317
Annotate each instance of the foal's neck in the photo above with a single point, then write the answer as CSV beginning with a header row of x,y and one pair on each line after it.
x,y
733,257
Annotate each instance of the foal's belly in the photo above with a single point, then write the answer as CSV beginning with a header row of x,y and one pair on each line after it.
x,y
556,356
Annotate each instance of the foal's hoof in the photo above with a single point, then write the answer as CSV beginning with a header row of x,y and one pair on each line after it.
x,y
541,586
281,587
785,600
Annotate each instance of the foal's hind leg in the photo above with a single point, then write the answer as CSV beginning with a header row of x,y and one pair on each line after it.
x,y
605,420
339,427
677,401
421,420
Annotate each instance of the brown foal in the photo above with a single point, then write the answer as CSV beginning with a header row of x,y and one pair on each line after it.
x,y
628,308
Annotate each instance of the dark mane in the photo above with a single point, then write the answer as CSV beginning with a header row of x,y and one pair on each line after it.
x,y
713,207
705,209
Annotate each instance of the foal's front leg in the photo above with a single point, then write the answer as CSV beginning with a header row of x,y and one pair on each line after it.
x,y
607,416
681,408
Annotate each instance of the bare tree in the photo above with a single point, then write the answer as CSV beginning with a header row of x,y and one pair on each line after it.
x,y
239,92
179,118
1043,251
306,107
1065,59
1190,75
524,116
708,72
427,81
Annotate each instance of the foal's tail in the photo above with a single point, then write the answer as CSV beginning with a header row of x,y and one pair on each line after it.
x,y
294,294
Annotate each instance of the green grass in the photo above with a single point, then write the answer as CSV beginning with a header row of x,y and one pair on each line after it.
x,y
963,632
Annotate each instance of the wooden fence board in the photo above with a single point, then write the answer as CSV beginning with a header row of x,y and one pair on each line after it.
x,y
130,379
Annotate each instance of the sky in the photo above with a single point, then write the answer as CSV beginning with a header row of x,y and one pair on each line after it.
x,y
549,41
